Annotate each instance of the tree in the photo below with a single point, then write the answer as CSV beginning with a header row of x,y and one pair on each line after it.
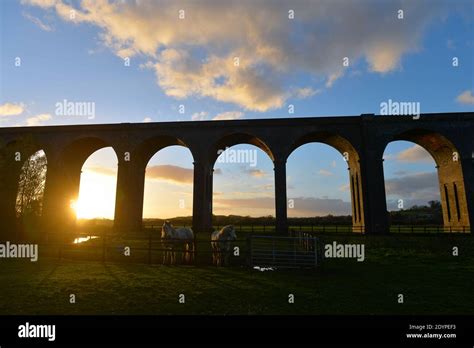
x,y
29,202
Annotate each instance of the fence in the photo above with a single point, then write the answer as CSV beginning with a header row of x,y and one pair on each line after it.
x,y
316,228
147,247
144,248
283,252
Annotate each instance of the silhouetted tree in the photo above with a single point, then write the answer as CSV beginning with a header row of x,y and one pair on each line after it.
x,y
29,200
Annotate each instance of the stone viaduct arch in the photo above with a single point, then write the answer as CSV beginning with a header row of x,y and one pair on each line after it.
x,y
450,174
363,138
351,156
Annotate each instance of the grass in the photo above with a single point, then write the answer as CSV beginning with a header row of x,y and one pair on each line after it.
x,y
422,268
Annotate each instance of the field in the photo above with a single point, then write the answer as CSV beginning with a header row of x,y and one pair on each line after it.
x,y
421,268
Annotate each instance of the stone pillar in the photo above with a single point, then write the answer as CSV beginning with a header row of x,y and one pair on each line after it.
x,y
9,180
61,190
372,182
209,198
375,204
202,197
129,196
357,198
468,178
280,196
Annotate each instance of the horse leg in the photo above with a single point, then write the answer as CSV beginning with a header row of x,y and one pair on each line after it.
x,y
187,257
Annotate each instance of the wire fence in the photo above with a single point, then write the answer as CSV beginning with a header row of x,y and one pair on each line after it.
x,y
148,247
284,252
317,228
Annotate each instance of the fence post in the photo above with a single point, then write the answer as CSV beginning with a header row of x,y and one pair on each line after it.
x,y
294,252
150,236
315,252
249,251
273,251
104,245
195,253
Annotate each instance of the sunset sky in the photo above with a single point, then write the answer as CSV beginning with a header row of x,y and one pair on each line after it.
x,y
79,50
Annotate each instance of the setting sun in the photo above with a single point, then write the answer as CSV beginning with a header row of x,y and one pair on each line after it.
x,y
96,196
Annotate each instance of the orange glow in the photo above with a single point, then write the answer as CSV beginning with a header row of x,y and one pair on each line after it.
x,y
96,196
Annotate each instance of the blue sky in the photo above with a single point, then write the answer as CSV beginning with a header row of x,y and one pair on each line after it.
x,y
190,62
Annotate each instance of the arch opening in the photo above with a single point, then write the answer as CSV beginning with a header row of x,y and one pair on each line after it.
x,y
23,167
424,183
319,193
348,194
243,189
168,187
30,194
97,187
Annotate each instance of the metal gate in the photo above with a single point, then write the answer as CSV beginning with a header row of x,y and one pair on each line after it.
x,y
283,252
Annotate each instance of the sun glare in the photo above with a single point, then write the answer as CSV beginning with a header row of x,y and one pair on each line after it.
x,y
96,196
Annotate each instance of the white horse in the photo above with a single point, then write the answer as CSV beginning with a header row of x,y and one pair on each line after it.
x,y
174,238
221,242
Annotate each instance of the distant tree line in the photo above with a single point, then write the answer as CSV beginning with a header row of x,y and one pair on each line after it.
x,y
430,214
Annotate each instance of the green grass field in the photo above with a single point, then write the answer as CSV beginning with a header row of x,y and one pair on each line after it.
x,y
422,268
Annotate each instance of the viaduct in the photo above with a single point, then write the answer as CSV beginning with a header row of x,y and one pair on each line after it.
x,y
448,137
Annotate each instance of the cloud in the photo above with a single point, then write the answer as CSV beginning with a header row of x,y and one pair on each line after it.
x,y
101,170
466,97
170,173
229,115
256,173
196,56
325,172
419,186
38,22
400,173
11,109
303,206
344,188
37,120
199,116
415,154
306,92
